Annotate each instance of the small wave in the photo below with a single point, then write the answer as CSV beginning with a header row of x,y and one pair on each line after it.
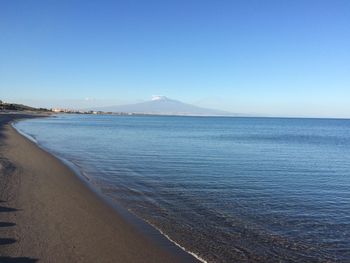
x,y
30,137
177,244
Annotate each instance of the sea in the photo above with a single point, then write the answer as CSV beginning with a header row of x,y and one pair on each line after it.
x,y
226,189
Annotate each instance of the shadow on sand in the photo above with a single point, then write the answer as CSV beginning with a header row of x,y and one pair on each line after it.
x,y
7,241
6,224
17,260
4,209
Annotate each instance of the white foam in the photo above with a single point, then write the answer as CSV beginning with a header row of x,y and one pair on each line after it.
x,y
28,136
177,244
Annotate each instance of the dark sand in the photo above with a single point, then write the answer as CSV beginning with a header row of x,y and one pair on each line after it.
x,y
47,214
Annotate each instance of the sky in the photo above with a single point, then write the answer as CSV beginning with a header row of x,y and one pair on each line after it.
x,y
271,57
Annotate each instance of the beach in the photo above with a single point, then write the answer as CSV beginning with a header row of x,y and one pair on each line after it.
x,y
47,214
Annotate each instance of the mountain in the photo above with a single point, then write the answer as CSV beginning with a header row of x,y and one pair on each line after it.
x,y
161,105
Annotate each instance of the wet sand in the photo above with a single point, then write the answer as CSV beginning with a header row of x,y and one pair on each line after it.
x,y
47,214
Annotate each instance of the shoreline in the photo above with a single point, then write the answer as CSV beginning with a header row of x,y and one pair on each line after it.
x,y
142,225
54,216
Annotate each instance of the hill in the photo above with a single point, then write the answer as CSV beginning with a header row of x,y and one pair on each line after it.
x,y
18,107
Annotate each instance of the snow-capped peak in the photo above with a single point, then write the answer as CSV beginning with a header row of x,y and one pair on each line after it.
x,y
159,97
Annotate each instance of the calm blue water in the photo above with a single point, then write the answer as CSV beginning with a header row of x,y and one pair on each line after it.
x,y
227,189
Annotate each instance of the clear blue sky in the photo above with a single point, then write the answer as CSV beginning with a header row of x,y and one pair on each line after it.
x,y
282,58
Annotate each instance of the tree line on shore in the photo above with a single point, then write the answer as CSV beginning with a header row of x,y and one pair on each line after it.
x,y
18,107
